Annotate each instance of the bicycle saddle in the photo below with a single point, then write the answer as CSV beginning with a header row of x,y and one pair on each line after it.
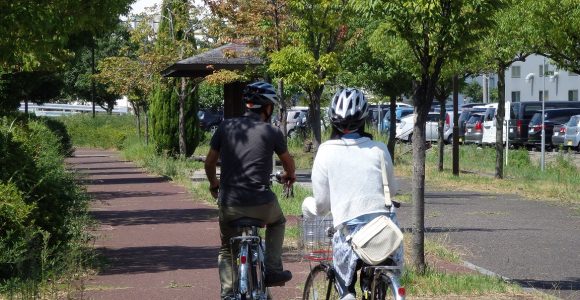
x,y
247,222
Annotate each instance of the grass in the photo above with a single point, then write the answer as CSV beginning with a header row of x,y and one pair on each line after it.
x,y
559,182
434,284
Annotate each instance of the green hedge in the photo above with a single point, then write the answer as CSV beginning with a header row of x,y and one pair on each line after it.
x,y
42,209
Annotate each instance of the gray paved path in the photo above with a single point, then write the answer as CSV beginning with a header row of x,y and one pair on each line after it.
x,y
536,244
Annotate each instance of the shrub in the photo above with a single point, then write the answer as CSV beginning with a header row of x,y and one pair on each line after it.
x,y
108,132
20,236
40,203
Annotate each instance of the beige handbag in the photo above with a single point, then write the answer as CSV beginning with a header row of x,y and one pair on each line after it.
x,y
381,237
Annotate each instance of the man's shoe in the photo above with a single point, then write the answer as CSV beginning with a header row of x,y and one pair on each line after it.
x,y
278,278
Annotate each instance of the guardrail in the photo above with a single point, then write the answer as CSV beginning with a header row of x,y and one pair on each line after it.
x,y
56,109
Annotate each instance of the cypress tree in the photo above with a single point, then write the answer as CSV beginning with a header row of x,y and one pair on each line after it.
x,y
165,99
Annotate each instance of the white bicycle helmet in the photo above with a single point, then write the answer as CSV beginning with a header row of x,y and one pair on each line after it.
x,y
259,93
348,110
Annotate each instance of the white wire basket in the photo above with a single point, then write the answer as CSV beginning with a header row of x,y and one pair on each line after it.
x,y
316,236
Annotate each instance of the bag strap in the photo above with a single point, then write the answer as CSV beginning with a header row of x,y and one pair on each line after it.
x,y
386,189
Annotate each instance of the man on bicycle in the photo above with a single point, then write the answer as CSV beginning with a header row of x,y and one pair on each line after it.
x,y
245,146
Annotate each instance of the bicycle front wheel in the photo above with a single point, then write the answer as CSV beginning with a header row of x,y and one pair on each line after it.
x,y
320,284
388,287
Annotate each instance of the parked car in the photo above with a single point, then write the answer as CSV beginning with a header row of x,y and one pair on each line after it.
x,y
432,127
474,128
464,116
296,120
210,120
558,136
400,113
522,113
377,112
552,117
572,136
405,128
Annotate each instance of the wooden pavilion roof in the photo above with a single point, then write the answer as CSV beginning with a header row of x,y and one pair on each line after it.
x,y
232,56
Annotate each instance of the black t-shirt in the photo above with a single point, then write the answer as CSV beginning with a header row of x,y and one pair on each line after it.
x,y
246,146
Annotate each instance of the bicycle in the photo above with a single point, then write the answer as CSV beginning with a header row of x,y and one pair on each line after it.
x,y
377,282
250,263
250,260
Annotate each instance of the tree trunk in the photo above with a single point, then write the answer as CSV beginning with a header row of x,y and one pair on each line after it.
x,y
440,138
283,109
146,112
422,103
138,115
500,116
392,126
182,95
315,118
455,125
93,90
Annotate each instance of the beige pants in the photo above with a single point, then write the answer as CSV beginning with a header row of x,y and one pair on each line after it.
x,y
272,215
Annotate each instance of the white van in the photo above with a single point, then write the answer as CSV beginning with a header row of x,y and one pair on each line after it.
x,y
489,123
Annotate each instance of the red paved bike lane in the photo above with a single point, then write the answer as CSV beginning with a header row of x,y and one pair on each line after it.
x,y
158,243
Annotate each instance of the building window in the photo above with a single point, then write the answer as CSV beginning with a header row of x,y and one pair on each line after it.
x,y
516,96
516,71
545,94
573,95
544,70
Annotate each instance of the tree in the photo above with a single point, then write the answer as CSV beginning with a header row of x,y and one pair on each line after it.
x,y
35,35
78,74
434,32
509,41
556,30
264,20
473,90
365,63
311,60
176,38
35,86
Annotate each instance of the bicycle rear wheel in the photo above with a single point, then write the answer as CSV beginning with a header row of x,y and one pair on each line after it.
x,y
388,287
320,284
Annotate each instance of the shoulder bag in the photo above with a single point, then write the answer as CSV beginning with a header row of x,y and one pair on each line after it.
x,y
381,237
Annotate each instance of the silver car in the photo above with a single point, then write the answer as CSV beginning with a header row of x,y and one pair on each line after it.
x,y
572,137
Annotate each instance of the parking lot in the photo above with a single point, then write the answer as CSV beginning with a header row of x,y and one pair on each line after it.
x,y
551,156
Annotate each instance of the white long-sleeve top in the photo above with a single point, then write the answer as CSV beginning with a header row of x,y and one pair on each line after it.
x,y
347,178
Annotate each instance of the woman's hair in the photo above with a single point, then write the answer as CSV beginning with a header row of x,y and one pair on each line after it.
x,y
336,134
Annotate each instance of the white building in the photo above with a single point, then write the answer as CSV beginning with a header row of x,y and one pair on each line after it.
x,y
537,76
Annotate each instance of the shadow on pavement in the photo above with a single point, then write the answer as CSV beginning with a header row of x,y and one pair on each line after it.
x,y
143,180
105,168
160,216
557,285
455,229
127,194
156,259
109,172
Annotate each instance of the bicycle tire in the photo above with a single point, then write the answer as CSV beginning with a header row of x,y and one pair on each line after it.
x,y
387,288
320,284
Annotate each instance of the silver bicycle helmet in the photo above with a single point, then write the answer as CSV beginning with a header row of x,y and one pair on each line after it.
x,y
259,93
348,110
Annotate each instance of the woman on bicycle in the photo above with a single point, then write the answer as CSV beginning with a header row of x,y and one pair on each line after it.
x,y
347,181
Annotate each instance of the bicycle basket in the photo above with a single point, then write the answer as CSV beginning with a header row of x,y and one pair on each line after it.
x,y
315,238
